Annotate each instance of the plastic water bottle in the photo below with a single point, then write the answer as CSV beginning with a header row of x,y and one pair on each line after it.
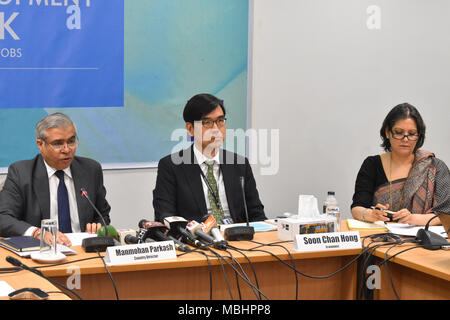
x,y
331,208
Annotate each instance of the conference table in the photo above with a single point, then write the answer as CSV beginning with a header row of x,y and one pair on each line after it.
x,y
417,274
329,275
25,279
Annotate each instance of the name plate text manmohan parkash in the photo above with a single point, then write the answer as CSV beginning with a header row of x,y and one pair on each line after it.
x,y
327,241
142,252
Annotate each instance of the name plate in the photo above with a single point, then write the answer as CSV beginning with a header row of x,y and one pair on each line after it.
x,y
142,252
327,241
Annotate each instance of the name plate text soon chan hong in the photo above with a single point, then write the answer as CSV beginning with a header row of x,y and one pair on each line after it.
x,y
327,241
142,252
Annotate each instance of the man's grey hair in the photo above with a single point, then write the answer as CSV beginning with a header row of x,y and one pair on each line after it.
x,y
54,120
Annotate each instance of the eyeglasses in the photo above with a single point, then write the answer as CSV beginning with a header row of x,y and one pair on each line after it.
x,y
208,123
58,145
401,136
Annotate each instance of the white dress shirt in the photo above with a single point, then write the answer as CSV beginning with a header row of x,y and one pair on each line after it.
x,y
53,183
201,160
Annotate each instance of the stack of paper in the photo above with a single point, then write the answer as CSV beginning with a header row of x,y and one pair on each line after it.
x,y
368,226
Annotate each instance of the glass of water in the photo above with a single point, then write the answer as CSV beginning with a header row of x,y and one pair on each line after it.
x,y
49,230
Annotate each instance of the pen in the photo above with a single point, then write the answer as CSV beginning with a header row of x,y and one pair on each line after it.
x,y
387,211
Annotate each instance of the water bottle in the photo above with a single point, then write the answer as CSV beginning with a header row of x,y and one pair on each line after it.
x,y
331,208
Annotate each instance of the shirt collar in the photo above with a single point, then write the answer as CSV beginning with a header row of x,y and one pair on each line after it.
x,y
51,171
201,158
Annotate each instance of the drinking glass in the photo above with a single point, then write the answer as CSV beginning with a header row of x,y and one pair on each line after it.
x,y
49,230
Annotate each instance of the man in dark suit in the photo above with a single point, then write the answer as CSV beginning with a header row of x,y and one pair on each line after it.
x,y
48,186
204,179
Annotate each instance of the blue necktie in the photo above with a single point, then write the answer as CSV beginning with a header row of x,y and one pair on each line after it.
x,y
64,223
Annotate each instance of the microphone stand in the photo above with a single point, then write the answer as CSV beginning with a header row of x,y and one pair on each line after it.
x,y
241,232
96,244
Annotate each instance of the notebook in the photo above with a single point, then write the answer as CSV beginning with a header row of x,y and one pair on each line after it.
x,y
21,243
368,226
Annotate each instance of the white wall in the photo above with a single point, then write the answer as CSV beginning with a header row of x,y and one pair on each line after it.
x,y
326,81
130,194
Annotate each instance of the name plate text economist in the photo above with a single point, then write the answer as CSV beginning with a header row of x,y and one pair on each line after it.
x,y
142,252
61,53
327,241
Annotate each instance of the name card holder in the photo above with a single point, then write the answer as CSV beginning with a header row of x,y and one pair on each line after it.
x,y
327,241
142,252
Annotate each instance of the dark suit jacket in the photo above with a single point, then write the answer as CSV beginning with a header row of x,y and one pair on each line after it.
x,y
179,189
25,198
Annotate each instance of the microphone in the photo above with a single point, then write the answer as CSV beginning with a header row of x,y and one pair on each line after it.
x,y
157,231
431,240
15,262
96,244
133,236
177,227
195,229
241,232
210,226
428,223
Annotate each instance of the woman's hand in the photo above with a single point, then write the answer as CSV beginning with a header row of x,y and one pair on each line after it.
x,y
405,216
377,214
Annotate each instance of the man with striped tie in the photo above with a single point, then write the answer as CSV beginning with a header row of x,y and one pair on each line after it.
x,y
205,179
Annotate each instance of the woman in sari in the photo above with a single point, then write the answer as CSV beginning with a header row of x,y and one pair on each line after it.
x,y
412,183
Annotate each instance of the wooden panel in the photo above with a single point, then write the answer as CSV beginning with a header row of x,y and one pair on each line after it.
x,y
411,285
275,280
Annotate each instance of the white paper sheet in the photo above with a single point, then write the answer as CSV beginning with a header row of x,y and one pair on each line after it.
x,y
5,289
405,229
77,238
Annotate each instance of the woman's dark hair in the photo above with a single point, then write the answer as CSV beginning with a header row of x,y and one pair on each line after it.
x,y
399,112
200,105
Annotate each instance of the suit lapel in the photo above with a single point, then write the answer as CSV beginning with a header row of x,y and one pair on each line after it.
x,y
228,178
78,183
41,187
193,177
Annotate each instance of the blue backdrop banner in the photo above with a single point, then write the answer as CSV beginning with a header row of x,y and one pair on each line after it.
x,y
61,53
140,61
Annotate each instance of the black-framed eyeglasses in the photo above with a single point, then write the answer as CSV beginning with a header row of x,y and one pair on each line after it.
x,y
209,123
58,145
401,136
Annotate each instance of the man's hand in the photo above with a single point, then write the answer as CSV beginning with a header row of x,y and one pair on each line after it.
x,y
61,238
93,227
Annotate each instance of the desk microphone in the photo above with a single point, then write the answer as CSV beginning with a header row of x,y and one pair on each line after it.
x,y
134,237
96,244
210,226
158,232
177,228
196,229
17,263
431,240
241,232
